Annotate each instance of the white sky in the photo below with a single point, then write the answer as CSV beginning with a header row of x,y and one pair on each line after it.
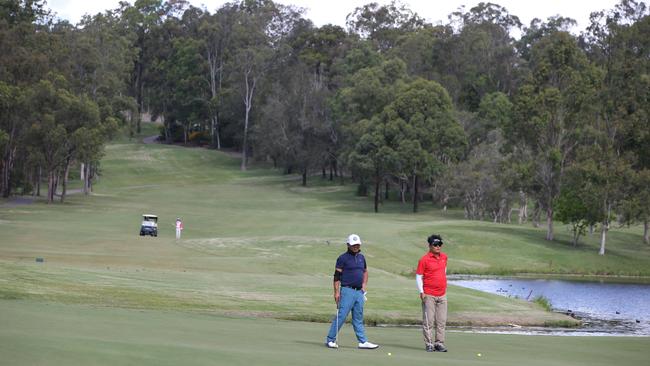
x,y
334,11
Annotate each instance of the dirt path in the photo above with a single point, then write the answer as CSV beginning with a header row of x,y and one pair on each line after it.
x,y
151,139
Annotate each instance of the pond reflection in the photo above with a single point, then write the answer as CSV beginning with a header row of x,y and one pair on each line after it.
x,y
603,306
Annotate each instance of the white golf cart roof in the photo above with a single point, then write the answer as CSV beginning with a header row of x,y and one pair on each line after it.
x,y
149,216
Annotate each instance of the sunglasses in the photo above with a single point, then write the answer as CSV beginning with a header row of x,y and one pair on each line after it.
x,y
436,244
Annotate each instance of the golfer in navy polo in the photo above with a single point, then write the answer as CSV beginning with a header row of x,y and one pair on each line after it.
x,y
350,279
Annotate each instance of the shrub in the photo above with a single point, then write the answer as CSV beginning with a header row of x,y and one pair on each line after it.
x,y
543,302
199,137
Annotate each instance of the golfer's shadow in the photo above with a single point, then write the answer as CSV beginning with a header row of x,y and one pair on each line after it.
x,y
383,345
402,346
312,343
322,344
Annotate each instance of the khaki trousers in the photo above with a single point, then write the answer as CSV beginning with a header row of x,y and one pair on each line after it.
x,y
434,313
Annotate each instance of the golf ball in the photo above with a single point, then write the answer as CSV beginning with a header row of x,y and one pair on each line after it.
x,y
390,354
478,354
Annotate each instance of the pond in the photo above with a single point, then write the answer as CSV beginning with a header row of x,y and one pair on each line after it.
x,y
605,307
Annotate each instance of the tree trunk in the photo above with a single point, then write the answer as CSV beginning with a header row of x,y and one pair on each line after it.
x,y
7,165
244,147
536,215
214,129
89,177
56,183
38,181
646,232
386,192
549,223
304,177
64,186
605,229
50,187
603,237
523,208
377,183
415,193
85,174
248,104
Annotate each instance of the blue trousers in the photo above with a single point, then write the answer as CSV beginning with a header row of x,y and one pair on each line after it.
x,y
351,300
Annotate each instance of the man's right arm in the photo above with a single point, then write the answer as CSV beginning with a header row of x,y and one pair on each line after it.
x,y
337,285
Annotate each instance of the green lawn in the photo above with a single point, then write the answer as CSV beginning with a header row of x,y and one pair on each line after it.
x,y
54,334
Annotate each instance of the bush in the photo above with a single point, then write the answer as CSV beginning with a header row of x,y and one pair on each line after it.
x,y
543,302
176,132
199,137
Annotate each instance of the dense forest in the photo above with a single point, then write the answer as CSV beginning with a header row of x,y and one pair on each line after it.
x,y
455,114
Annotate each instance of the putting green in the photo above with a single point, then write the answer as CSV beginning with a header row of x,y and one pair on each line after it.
x,y
54,334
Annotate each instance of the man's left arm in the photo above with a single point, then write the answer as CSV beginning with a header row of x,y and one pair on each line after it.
x,y
365,275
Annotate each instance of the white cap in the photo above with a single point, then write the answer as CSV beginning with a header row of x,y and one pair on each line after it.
x,y
354,239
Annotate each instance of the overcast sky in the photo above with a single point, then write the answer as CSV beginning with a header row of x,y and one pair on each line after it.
x,y
334,11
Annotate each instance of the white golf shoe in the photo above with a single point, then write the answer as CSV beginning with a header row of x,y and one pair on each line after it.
x,y
368,345
332,345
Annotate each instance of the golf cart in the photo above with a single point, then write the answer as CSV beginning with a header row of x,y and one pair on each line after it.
x,y
149,225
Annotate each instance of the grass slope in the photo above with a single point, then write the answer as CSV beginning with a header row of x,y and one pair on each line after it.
x,y
258,243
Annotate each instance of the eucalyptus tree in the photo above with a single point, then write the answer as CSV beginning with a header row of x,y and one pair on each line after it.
x,y
365,95
618,41
216,31
320,50
483,57
294,130
24,40
176,79
383,24
11,131
373,154
538,29
261,29
552,108
56,114
430,138
427,52
141,21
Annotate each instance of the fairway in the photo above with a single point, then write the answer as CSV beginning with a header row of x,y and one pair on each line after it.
x,y
54,334
257,250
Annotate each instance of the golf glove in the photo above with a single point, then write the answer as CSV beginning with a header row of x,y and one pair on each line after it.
x,y
365,298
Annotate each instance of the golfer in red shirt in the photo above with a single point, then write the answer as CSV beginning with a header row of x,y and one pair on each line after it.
x,y
431,278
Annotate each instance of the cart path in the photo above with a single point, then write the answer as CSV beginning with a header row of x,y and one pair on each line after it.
x,y
151,139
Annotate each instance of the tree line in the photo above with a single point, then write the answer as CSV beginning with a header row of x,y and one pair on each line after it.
x,y
461,113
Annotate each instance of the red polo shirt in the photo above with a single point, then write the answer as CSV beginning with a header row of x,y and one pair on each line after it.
x,y
434,273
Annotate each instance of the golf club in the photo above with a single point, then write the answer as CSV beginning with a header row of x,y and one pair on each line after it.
x,y
426,317
336,339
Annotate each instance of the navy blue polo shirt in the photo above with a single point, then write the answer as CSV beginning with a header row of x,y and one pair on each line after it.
x,y
353,266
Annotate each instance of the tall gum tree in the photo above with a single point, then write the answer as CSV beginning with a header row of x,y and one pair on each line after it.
x,y
551,110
